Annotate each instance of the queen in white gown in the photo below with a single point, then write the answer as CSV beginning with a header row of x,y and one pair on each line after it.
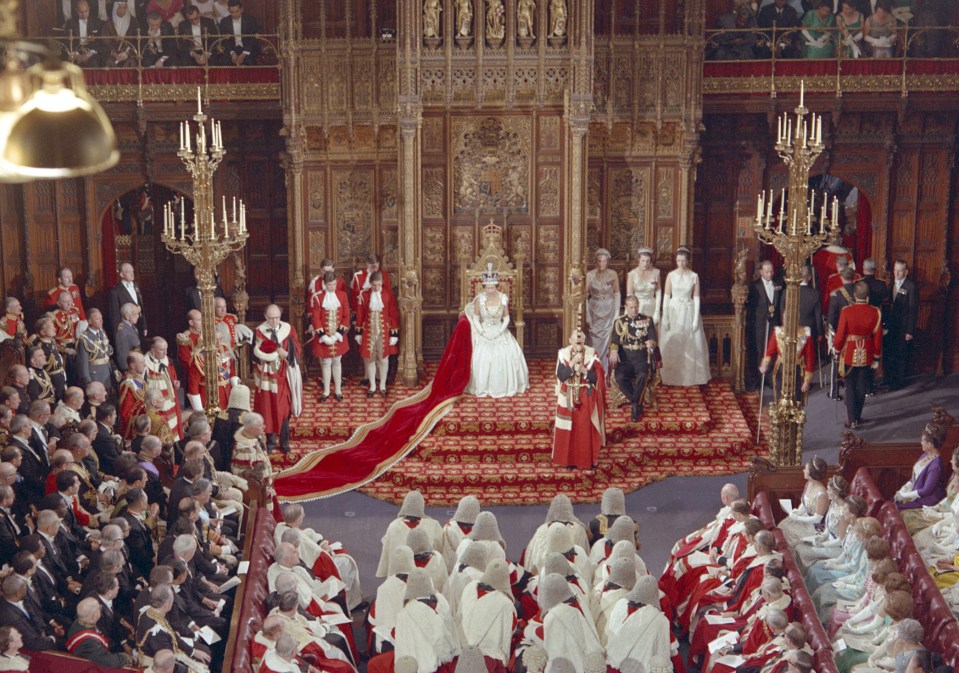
x,y
682,340
498,368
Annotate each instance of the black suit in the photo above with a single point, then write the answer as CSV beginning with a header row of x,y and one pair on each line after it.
x,y
152,52
248,28
187,47
9,535
106,449
838,300
878,291
810,309
762,313
784,19
49,594
181,489
140,545
903,314
119,296
72,30
34,468
34,637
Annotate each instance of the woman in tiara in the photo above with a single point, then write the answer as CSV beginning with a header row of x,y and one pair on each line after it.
x,y
498,368
643,283
602,305
682,340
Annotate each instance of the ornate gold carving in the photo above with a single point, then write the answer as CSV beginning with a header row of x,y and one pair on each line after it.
x,y
464,243
548,286
548,188
317,196
435,335
664,243
557,18
547,332
664,193
549,133
434,286
520,241
628,195
317,243
464,18
353,213
434,244
491,164
434,183
432,26
594,187
122,93
433,134
547,243
391,247
495,23
389,194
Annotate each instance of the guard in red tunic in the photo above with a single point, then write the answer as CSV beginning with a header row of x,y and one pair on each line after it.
x,y
190,354
827,262
65,284
805,362
316,286
859,344
362,280
11,325
377,330
279,384
580,405
132,390
66,319
330,320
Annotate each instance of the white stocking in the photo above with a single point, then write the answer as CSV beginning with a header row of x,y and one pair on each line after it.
x,y
325,365
338,373
384,370
371,373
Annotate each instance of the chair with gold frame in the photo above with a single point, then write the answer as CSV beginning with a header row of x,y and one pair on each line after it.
x,y
493,256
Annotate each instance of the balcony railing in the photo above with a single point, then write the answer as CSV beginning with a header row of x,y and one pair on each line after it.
x,y
764,61
130,69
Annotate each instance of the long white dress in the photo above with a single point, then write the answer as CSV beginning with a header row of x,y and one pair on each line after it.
x,y
684,349
498,368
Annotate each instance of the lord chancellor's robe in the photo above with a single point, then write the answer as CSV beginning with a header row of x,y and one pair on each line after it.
x,y
580,410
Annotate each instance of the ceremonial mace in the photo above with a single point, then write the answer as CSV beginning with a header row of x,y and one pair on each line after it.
x,y
205,243
794,237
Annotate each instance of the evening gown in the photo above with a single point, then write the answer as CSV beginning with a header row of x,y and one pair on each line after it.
x,y
498,366
683,347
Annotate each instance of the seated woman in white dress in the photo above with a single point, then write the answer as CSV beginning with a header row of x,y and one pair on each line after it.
x,y
682,340
498,367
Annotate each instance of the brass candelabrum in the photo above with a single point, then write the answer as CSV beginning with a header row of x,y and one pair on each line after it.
x,y
796,233
205,243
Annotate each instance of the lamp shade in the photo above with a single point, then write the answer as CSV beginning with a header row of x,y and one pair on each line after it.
x,y
59,131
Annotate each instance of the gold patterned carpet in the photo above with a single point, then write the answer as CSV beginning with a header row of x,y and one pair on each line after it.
x,y
499,450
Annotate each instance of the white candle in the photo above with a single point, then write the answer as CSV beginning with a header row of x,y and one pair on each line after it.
x,y
219,134
822,218
779,130
243,220
819,130
224,209
759,208
226,229
182,210
196,229
189,145
769,206
199,105
835,211
182,229
181,136
201,144
234,209
804,134
789,134
802,92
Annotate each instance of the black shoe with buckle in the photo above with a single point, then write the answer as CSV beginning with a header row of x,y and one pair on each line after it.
x,y
370,393
384,393
324,398
338,397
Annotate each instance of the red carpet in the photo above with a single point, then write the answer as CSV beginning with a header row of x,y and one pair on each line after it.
x,y
500,450
376,446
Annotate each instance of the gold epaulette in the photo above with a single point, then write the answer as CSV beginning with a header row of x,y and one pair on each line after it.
x,y
183,339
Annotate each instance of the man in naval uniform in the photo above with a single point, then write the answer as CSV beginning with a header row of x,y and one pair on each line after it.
x,y
630,353
94,352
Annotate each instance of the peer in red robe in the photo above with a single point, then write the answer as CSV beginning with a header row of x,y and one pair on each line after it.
x,y
279,385
65,284
580,405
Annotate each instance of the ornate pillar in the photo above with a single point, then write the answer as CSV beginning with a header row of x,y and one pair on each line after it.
x,y
292,159
409,120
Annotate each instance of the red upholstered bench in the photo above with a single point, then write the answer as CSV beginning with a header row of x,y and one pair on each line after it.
x,y
762,510
806,609
863,485
250,607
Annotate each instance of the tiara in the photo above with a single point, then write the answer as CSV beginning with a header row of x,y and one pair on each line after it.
x,y
490,276
683,248
645,251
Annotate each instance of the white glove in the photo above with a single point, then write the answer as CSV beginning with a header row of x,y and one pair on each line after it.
x,y
338,336
909,496
327,340
359,339
243,334
805,518
394,340
696,320
665,313
656,312
195,402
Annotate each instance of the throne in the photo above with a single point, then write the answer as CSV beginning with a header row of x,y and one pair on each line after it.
x,y
510,276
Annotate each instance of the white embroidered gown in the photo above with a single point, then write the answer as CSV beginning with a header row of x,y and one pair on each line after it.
x,y
498,368
684,349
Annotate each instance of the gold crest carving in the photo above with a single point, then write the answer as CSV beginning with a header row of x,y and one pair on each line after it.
x,y
548,189
628,198
547,243
593,187
353,213
433,185
549,133
664,193
316,193
491,164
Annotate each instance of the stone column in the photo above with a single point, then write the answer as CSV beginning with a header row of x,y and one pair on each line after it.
x,y
577,118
